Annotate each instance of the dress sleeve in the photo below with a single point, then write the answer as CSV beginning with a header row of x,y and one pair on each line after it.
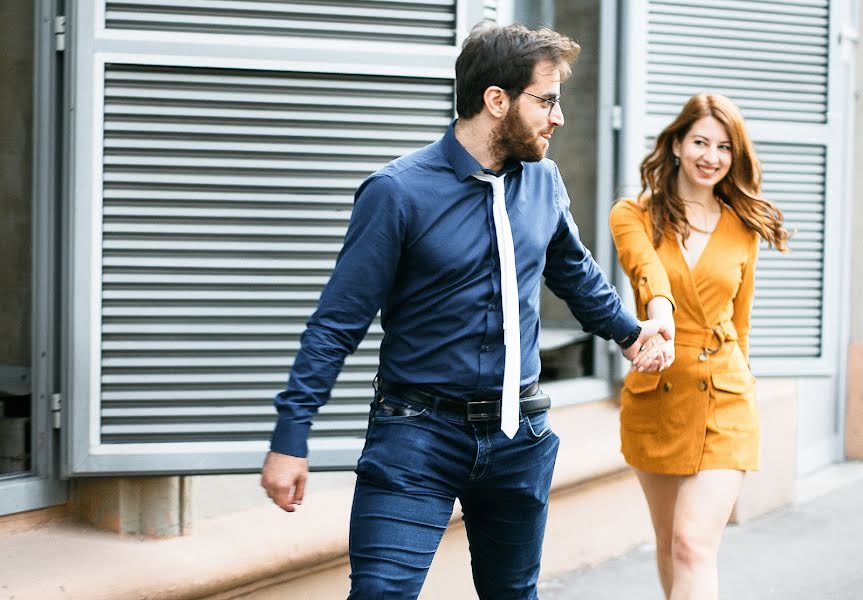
x,y
743,300
636,253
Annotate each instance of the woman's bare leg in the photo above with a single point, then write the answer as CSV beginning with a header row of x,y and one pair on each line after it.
x,y
704,503
661,494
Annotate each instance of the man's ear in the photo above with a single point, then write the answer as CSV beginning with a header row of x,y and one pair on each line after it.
x,y
496,101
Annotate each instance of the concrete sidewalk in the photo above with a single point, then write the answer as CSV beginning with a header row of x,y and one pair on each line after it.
x,y
810,550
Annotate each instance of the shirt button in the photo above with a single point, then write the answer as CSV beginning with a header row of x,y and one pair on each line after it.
x,y
702,385
666,387
492,306
484,348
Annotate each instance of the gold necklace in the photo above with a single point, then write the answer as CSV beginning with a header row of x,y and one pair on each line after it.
x,y
704,231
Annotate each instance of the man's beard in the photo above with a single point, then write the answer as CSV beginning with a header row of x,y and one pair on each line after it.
x,y
513,139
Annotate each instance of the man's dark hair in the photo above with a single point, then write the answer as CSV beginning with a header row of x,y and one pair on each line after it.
x,y
506,57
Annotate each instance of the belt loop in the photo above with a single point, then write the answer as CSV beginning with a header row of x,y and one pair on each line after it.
x,y
719,334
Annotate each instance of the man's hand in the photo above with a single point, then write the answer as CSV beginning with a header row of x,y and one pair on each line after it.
x,y
284,479
656,354
649,354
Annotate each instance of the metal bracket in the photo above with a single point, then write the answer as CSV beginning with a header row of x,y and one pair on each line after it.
x,y
60,33
616,117
849,35
56,405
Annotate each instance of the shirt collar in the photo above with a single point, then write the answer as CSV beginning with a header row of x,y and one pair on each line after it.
x,y
466,165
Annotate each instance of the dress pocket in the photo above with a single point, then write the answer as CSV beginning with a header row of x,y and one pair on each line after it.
x,y
735,400
640,383
639,402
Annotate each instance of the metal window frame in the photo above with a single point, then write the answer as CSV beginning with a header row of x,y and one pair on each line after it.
x,y
92,46
41,487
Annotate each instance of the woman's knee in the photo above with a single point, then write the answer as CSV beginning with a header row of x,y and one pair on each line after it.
x,y
691,547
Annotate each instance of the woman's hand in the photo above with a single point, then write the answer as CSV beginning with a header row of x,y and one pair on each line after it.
x,y
655,354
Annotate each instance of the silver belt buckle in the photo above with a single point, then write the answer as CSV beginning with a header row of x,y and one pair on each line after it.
x,y
483,410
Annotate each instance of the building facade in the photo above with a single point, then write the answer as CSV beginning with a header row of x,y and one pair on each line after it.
x,y
178,178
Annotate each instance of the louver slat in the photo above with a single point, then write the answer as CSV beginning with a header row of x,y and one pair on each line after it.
x,y
789,287
406,21
770,57
226,197
489,10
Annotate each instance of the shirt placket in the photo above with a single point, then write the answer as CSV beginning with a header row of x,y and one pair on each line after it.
x,y
491,350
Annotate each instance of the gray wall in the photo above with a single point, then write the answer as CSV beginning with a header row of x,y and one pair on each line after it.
x,y
574,146
16,120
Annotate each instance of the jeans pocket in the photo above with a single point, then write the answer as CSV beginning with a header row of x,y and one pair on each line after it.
x,y
391,409
538,423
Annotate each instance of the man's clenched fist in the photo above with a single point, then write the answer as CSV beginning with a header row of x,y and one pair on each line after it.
x,y
284,479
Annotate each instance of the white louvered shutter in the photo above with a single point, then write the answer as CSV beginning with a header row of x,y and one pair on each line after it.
x,y
215,149
774,60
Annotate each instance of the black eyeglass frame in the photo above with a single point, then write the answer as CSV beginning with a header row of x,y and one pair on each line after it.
x,y
552,102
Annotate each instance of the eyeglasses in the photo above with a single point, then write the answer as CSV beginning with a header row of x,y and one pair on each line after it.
x,y
552,102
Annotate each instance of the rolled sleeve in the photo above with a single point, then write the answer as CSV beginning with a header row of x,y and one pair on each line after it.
x,y
744,298
636,254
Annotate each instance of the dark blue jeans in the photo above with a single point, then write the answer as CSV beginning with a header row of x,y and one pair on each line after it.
x,y
411,470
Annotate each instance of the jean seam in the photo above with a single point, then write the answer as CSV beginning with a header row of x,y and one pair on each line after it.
x,y
479,451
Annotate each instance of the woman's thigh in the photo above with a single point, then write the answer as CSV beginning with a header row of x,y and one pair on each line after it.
x,y
661,492
704,504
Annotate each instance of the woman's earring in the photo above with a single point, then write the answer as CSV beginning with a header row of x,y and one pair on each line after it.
x,y
676,161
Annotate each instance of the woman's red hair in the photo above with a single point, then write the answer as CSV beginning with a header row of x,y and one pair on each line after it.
x,y
740,188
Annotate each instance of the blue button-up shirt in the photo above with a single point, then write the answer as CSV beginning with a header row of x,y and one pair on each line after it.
x,y
421,247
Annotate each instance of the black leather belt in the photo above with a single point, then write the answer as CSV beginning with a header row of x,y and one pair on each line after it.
x,y
532,401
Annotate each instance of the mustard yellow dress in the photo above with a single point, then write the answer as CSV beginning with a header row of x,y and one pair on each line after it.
x,y
700,413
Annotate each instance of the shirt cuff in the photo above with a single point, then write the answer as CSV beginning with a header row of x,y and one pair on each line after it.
x,y
622,325
290,438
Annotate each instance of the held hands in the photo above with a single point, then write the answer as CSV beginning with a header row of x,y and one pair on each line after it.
x,y
284,479
654,348
656,354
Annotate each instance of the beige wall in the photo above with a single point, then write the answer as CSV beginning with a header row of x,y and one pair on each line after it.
x,y
857,216
16,122
854,397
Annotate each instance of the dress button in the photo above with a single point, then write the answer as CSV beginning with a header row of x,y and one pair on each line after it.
x,y
666,387
702,385
702,357
644,280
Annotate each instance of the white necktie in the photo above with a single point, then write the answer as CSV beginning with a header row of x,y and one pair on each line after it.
x,y
509,296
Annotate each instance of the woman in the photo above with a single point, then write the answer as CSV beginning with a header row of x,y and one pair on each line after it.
x,y
689,244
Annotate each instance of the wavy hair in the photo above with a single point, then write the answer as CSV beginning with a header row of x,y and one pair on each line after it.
x,y
740,189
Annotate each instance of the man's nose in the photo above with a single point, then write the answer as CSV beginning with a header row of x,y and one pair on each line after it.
x,y
555,117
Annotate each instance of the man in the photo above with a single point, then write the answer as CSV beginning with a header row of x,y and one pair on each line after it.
x,y
431,244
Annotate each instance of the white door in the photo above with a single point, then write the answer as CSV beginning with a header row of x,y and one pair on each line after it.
x,y
782,63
